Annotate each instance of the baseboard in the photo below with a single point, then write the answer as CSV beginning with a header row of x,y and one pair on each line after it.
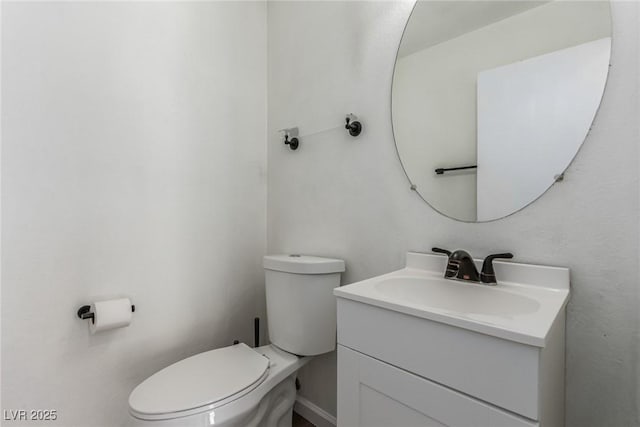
x,y
312,412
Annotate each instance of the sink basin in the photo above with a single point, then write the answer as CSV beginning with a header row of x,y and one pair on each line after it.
x,y
521,307
456,297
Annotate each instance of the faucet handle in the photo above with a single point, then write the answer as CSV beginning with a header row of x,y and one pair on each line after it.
x,y
453,267
488,274
441,251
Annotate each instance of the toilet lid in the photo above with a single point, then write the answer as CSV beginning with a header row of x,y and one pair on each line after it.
x,y
200,380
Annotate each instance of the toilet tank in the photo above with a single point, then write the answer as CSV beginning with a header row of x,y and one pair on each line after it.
x,y
301,308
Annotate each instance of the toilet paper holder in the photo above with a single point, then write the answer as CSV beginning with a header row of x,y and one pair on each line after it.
x,y
84,312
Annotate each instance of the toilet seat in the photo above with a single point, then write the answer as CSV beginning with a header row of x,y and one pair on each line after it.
x,y
198,383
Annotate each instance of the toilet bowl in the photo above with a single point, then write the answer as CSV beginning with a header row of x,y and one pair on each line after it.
x,y
235,386
240,386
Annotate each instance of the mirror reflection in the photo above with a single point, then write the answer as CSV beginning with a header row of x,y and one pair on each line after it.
x,y
491,100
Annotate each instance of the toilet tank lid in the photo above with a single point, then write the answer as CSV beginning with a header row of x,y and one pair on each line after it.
x,y
303,264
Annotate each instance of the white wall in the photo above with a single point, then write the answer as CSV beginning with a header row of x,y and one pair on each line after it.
x,y
349,198
133,164
434,107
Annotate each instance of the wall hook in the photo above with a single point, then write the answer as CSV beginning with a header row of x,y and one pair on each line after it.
x,y
353,125
291,138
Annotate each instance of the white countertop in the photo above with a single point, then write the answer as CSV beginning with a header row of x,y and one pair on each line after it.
x,y
521,307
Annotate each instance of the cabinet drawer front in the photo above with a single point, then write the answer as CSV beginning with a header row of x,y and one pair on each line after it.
x,y
497,371
375,394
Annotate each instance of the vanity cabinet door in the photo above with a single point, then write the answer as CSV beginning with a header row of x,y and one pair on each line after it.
x,y
372,393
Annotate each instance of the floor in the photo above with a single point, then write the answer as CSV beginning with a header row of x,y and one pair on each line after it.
x,y
298,421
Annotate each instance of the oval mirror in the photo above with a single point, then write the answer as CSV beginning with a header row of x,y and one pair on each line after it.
x,y
491,100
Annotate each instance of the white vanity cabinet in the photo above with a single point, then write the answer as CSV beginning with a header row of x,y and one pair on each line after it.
x,y
403,363
376,394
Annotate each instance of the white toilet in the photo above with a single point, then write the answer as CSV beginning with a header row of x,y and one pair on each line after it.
x,y
243,386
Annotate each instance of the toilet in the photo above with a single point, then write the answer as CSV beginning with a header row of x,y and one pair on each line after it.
x,y
240,386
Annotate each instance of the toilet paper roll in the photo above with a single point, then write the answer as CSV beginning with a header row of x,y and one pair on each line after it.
x,y
110,314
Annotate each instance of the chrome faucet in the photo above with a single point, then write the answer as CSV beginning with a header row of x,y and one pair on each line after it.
x,y
461,266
